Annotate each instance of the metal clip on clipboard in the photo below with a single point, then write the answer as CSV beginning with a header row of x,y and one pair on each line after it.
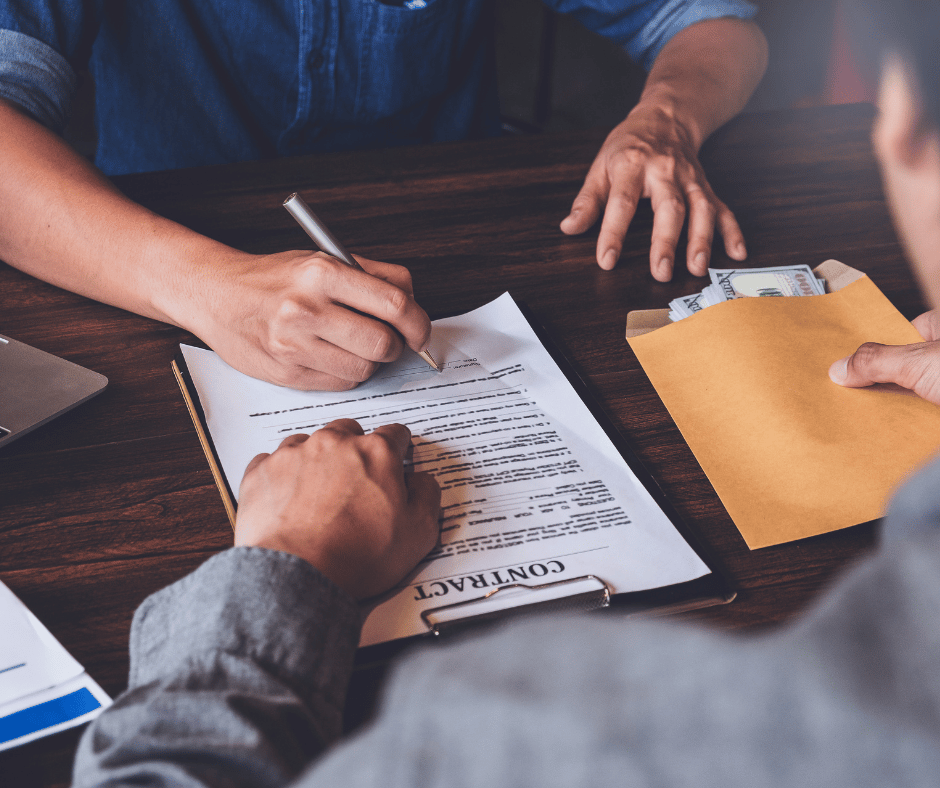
x,y
518,598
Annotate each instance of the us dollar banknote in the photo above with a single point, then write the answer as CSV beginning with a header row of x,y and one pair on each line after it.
x,y
729,284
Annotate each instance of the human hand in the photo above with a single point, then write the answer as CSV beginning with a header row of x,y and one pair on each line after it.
x,y
307,321
652,155
915,367
341,500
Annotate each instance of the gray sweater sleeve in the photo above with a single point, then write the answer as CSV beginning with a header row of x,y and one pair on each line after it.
x,y
238,677
848,696
238,673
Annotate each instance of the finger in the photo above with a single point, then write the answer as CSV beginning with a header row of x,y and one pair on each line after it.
x,y
398,438
255,462
587,206
668,218
424,507
356,336
728,226
293,440
344,426
311,363
396,275
376,297
873,363
928,325
304,379
702,215
621,206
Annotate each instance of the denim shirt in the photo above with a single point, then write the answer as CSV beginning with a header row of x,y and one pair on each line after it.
x,y
188,82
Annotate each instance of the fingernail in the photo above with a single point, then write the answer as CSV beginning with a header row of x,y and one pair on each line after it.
x,y
741,250
665,264
701,261
839,371
609,260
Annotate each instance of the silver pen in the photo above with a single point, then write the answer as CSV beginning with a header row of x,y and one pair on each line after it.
x,y
327,242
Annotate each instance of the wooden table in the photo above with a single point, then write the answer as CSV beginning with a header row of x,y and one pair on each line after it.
x,y
115,500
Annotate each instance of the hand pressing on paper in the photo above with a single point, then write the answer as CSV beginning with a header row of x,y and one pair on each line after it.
x,y
915,367
342,501
307,321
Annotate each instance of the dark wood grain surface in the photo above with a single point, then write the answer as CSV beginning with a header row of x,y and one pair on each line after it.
x,y
115,500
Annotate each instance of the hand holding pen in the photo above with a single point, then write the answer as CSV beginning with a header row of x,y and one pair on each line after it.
x,y
327,242
299,319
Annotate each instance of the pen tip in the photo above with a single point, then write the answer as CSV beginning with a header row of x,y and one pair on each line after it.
x,y
427,357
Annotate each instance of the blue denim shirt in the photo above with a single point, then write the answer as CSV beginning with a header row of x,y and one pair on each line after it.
x,y
188,82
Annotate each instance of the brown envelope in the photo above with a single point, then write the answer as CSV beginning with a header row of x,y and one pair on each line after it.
x,y
790,453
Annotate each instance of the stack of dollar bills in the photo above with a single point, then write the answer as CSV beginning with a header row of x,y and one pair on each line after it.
x,y
731,283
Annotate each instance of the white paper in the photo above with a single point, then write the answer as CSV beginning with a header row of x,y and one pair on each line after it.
x,y
35,669
30,658
82,681
533,489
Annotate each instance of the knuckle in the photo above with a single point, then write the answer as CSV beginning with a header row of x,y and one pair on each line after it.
x,y
378,447
291,377
403,276
383,347
867,356
361,370
627,165
325,440
674,203
700,202
338,384
319,270
396,303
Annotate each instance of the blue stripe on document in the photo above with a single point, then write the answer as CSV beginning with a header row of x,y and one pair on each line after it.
x,y
45,715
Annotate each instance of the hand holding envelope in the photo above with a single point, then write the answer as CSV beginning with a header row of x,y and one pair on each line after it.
x,y
915,367
789,453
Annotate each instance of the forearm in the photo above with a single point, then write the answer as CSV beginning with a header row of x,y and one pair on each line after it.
x,y
238,677
705,75
62,221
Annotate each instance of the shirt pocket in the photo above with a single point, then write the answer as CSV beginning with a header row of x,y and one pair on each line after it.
x,y
405,55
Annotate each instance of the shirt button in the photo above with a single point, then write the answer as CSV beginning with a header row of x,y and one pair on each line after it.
x,y
317,63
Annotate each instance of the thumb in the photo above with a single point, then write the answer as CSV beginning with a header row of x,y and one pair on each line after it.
x,y
871,363
915,367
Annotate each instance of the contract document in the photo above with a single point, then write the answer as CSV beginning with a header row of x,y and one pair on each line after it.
x,y
533,489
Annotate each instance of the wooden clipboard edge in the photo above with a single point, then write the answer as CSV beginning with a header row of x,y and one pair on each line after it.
x,y
181,373
836,274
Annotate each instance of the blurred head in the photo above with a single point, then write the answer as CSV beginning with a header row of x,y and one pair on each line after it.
x,y
901,40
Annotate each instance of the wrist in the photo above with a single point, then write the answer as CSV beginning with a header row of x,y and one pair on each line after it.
x,y
670,116
192,279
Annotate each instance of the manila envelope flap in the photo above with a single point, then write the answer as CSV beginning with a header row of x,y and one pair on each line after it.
x,y
790,453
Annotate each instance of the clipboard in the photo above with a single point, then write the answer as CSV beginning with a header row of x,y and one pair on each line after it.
x,y
516,597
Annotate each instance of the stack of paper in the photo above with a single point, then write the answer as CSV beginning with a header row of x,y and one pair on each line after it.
x,y
43,690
